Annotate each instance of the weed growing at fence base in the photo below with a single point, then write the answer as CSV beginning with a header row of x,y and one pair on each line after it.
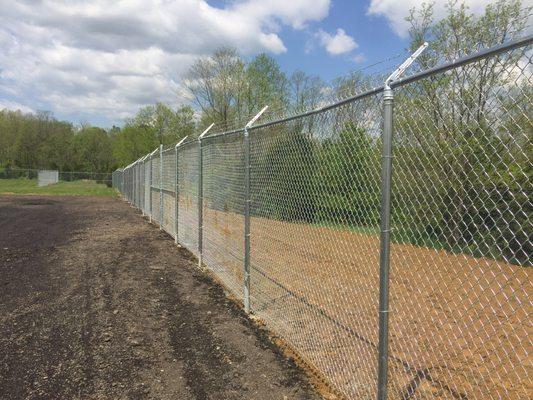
x,y
75,188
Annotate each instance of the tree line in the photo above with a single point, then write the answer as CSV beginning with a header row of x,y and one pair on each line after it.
x,y
40,141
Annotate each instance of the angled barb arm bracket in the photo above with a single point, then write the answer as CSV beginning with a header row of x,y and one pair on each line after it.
x,y
204,132
252,121
406,64
181,141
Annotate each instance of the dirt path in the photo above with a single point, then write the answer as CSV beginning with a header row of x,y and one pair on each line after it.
x,y
95,304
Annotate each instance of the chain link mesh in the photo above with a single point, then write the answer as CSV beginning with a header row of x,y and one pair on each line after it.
x,y
188,195
156,188
145,185
169,190
223,208
314,238
462,232
461,240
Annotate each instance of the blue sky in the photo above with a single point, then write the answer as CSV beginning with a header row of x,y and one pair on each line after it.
x,y
374,36
100,61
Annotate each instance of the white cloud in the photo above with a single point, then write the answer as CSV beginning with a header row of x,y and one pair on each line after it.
x,y
395,11
340,43
107,58
359,58
13,105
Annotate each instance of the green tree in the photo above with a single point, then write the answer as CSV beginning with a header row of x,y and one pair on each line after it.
x,y
94,149
132,142
463,157
266,84
305,91
165,124
347,177
217,84
283,173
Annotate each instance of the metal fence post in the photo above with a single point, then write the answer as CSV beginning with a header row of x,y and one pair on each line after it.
x,y
246,283
200,201
176,189
160,187
384,240
142,190
139,182
133,183
384,253
130,183
136,187
150,187
201,197
145,171
247,201
127,184
176,194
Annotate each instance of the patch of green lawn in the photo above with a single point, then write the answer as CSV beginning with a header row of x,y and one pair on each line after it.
x,y
74,188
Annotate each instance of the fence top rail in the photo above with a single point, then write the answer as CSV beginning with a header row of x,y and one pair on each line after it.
x,y
248,126
480,55
521,42
190,141
240,130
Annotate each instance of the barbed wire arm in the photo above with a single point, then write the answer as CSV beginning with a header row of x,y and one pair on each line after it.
x,y
406,64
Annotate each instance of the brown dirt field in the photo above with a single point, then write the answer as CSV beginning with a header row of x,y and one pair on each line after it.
x,y
96,303
459,325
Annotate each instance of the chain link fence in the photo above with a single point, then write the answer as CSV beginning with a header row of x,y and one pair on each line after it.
x,y
423,294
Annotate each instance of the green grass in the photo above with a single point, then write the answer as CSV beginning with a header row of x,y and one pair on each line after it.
x,y
74,188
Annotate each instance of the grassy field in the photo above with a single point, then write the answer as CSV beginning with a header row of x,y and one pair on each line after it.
x,y
75,188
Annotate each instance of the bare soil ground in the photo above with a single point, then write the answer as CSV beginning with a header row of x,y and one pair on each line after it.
x,y
95,303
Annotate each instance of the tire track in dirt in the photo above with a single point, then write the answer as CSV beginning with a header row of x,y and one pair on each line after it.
x,y
101,305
